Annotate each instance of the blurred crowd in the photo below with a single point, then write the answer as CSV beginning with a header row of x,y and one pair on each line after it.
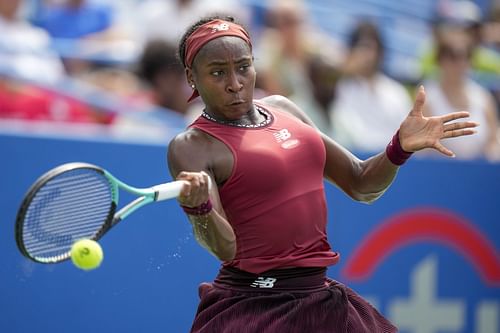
x,y
113,63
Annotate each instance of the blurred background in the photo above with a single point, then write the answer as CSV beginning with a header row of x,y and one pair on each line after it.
x,y
110,65
99,81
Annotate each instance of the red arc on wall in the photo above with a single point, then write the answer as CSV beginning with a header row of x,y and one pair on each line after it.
x,y
425,225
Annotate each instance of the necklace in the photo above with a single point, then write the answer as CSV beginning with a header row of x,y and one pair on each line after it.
x,y
265,122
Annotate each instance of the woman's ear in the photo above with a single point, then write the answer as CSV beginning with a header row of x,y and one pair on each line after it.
x,y
189,77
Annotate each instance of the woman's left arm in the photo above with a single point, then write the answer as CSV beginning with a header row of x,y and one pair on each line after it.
x,y
366,180
361,180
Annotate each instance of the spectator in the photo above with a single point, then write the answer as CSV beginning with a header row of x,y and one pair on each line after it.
x,y
491,28
86,34
466,15
73,19
166,92
322,75
367,101
24,49
164,75
454,90
286,54
29,70
167,19
491,41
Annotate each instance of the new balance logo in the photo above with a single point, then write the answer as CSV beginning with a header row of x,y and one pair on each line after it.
x,y
263,282
282,135
220,27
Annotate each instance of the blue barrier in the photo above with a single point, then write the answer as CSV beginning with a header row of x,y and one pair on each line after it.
x,y
425,254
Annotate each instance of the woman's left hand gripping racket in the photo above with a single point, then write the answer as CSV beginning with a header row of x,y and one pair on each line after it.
x,y
75,201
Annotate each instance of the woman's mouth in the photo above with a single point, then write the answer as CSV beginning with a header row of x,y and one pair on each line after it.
x,y
237,102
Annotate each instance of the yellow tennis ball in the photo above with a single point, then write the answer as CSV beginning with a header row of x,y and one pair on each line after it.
x,y
86,254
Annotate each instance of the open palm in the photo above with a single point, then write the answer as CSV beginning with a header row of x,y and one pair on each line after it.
x,y
418,132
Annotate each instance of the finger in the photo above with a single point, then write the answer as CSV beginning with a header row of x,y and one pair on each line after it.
x,y
188,177
418,106
459,125
185,191
207,179
184,175
442,149
198,186
454,115
458,132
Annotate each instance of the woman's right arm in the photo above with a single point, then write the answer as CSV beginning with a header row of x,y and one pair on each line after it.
x,y
189,159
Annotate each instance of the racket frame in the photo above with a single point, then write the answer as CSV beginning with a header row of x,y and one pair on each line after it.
x,y
148,195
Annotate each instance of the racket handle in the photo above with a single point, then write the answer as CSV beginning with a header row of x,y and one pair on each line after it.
x,y
168,190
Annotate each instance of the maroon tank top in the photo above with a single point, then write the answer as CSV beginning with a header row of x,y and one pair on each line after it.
x,y
274,198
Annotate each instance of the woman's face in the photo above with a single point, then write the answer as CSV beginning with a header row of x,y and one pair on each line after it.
x,y
224,76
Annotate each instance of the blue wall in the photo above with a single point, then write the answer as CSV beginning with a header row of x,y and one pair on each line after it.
x,y
152,267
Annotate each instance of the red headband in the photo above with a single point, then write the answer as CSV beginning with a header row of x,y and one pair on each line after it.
x,y
205,33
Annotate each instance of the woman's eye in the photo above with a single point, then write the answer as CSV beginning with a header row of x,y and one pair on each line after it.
x,y
217,73
244,67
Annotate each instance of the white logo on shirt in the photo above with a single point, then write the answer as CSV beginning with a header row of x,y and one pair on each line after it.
x,y
263,282
282,135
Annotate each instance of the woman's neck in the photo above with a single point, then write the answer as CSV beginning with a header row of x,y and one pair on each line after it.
x,y
255,117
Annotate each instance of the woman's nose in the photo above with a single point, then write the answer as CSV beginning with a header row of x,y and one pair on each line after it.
x,y
234,84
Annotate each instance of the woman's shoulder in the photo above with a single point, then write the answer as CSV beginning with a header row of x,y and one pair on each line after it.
x,y
190,139
190,150
283,104
277,101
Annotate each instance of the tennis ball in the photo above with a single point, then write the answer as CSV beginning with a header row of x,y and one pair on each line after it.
x,y
86,254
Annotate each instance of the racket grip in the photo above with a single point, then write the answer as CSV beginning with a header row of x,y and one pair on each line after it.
x,y
168,190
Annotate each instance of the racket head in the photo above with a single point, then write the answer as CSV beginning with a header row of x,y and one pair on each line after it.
x,y
68,203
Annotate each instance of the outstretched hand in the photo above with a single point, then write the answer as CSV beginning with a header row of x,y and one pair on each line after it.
x,y
418,132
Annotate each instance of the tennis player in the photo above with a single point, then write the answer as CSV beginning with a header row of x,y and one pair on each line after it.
x,y
265,215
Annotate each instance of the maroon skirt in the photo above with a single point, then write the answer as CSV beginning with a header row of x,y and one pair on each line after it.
x,y
298,300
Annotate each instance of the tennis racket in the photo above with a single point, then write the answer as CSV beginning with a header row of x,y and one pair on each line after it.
x,y
75,201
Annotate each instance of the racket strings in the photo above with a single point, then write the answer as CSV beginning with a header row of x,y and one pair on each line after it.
x,y
70,206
